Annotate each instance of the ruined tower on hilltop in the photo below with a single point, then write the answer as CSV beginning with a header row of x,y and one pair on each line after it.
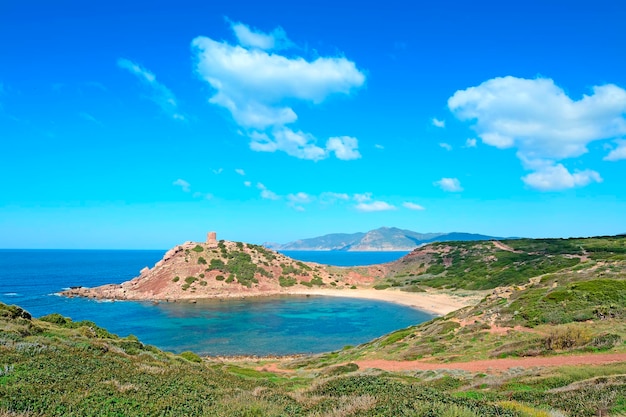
x,y
211,239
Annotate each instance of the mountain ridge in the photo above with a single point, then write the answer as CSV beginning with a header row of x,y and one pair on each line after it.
x,y
381,239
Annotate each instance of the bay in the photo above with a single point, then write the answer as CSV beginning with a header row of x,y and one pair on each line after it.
x,y
344,258
260,326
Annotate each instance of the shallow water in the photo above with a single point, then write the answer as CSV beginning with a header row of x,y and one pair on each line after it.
x,y
259,326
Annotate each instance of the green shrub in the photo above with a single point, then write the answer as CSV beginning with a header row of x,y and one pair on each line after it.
x,y
287,281
230,279
191,357
175,279
317,281
220,278
567,337
201,261
55,318
217,264
190,280
198,248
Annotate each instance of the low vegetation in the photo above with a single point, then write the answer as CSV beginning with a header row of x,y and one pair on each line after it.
x,y
548,297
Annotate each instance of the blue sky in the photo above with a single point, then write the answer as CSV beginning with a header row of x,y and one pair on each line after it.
x,y
146,124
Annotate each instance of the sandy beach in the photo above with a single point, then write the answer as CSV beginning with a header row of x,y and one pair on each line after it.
x,y
436,302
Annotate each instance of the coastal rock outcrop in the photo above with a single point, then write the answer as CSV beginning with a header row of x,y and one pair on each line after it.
x,y
222,269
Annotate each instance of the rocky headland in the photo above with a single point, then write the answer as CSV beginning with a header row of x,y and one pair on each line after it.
x,y
224,269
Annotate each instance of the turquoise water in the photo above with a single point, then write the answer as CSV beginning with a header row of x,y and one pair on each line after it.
x,y
341,258
262,326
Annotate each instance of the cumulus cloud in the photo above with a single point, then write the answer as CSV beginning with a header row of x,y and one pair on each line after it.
x,y
361,198
329,197
240,171
218,171
541,121
344,147
452,185
296,200
267,194
412,206
446,146
470,143
186,187
299,144
374,206
378,146
557,177
438,123
258,88
618,153
300,198
276,39
160,94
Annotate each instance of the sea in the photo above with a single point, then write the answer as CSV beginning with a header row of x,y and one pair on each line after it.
x,y
284,325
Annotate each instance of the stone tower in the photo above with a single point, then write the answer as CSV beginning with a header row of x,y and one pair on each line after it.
x,y
211,239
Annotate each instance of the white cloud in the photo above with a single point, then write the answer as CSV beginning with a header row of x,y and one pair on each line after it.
x,y
258,89
299,144
557,177
186,187
345,147
240,171
541,121
470,143
218,171
300,198
329,197
377,146
267,194
277,39
438,123
374,206
161,95
413,206
452,185
247,183
361,198
617,153
446,146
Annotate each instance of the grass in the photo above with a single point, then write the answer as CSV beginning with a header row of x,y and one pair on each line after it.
x,y
53,366
576,302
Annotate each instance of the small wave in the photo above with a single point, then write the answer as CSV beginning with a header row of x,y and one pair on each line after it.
x,y
11,294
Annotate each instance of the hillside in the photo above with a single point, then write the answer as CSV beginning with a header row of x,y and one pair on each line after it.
x,y
382,239
549,300
547,296
215,269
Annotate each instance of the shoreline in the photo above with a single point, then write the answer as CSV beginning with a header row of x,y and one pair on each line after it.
x,y
433,302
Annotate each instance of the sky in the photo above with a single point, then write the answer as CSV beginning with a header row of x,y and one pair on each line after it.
x,y
141,125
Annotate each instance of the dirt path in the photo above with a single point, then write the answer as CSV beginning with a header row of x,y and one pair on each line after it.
x,y
502,246
496,364
486,365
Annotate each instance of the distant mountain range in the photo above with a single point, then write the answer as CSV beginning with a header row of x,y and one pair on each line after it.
x,y
382,239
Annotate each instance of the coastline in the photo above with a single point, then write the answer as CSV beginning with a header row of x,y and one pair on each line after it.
x,y
435,302
438,303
